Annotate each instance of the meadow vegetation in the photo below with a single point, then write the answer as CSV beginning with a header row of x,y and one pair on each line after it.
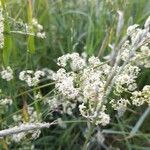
x,y
75,74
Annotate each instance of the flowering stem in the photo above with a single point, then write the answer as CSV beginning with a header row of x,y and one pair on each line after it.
x,y
25,128
32,126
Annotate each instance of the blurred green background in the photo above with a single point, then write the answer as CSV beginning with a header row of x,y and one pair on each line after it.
x,y
72,26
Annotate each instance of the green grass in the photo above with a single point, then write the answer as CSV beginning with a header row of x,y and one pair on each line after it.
x,y
71,25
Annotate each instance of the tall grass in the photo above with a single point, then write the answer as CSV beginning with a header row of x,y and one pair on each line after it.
x,y
71,26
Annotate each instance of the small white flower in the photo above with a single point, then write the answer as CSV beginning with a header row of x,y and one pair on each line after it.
x,y
74,60
131,29
35,134
6,101
41,35
61,123
39,74
39,27
94,61
34,21
18,137
104,119
30,77
7,74
81,109
38,96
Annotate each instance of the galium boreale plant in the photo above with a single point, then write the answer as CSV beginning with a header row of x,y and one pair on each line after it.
x,y
93,86
89,81
85,83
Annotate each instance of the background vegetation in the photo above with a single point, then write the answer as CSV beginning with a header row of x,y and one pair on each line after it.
x,y
71,26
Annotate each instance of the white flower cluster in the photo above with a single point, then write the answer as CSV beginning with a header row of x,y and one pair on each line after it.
x,y
53,103
126,80
92,114
84,81
5,101
1,29
65,83
60,101
85,84
33,29
140,97
7,74
139,37
93,80
38,96
39,29
75,61
140,57
48,73
30,77
33,117
120,105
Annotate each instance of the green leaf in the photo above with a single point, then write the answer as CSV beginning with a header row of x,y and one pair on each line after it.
x,y
30,45
7,49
